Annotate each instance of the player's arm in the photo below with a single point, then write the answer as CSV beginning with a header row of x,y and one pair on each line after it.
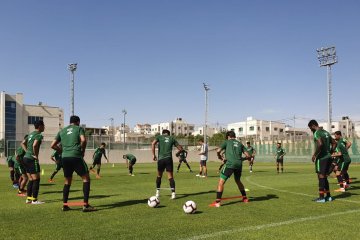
x,y
254,152
219,154
55,145
348,144
337,153
107,160
284,153
319,145
83,143
36,148
23,144
153,145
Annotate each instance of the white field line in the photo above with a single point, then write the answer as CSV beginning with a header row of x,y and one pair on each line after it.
x,y
270,225
295,193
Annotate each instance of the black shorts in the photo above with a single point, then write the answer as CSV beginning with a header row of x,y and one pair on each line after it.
x,y
74,164
132,162
322,166
32,166
182,160
20,169
344,166
280,160
166,163
227,172
203,163
10,164
97,161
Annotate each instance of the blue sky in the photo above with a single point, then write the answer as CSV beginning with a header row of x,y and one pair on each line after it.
x,y
151,58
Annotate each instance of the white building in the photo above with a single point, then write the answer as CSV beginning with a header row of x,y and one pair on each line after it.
x,y
142,129
345,126
258,129
176,127
17,118
210,131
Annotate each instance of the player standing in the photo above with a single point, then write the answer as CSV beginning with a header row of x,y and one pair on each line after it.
x,y
280,152
165,144
324,143
130,162
56,157
182,159
251,151
233,154
31,161
72,148
203,159
99,152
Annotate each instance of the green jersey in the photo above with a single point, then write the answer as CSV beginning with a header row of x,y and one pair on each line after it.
x,y
325,137
182,154
98,153
20,152
250,150
280,152
233,152
165,147
70,141
35,135
341,147
130,157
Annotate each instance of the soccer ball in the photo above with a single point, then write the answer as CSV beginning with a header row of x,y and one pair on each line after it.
x,y
153,202
189,207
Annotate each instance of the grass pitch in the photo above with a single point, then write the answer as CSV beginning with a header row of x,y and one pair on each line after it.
x,y
280,206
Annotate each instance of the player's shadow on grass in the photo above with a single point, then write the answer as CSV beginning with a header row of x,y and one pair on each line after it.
x,y
179,196
123,204
345,195
60,191
46,184
253,199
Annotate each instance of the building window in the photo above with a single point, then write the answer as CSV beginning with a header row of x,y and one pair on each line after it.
x,y
258,128
33,119
281,130
275,129
241,129
267,129
344,126
10,120
251,128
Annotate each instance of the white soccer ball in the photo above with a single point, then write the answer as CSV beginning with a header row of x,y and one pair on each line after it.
x,y
189,207
153,202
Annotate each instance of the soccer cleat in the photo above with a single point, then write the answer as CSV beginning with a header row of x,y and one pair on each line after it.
x,y
21,194
191,170
65,208
133,175
98,176
92,170
15,185
215,204
250,171
88,208
51,181
37,202
203,176
347,186
157,193
173,195
198,175
245,200
27,201
329,199
340,190
320,200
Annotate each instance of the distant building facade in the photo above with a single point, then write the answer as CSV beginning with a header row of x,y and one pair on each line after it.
x,y
176,127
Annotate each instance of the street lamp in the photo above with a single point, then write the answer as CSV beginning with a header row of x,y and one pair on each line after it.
x,y
124,112
72,68
206,88
327,57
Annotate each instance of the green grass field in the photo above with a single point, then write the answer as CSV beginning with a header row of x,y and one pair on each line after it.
x,y
280,207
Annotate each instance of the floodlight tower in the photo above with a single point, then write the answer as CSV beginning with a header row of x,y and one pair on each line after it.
x,y
327,57
206,88
72,68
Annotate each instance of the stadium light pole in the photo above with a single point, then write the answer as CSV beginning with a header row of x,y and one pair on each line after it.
x,y
206,88
72,68
327,57
124,112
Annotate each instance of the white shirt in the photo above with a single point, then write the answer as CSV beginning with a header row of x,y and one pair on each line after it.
x,y
204,152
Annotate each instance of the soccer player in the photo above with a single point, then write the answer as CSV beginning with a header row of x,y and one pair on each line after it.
x,y
344,161
165,144
31,161
99,152
20,169
324,143
72,148
203,159
251,151
279,156
233,154
182,159
14,178
55,157
130,162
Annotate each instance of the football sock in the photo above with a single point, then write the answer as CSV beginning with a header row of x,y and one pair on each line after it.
x,y
327,188
243,193
130,169
35,188
321,187
277,169
98,171
53,175
218,196
346,177
158,182
12,175
178,166
172,184
340,180
66,191
282,169
86,191
29,188
188,166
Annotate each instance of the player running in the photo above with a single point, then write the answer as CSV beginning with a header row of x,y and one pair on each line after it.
x,y
279,156
31,161
233,154
182,159
72,149
165,144
56,157
130,162
99,152
251,151
322,158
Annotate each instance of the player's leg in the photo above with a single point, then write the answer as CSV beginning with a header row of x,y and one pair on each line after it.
x,y
205,169
282,165
178,167
224,176
170,173
237,176
277,166
98,168
200,170
82,170
160,170
187,164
